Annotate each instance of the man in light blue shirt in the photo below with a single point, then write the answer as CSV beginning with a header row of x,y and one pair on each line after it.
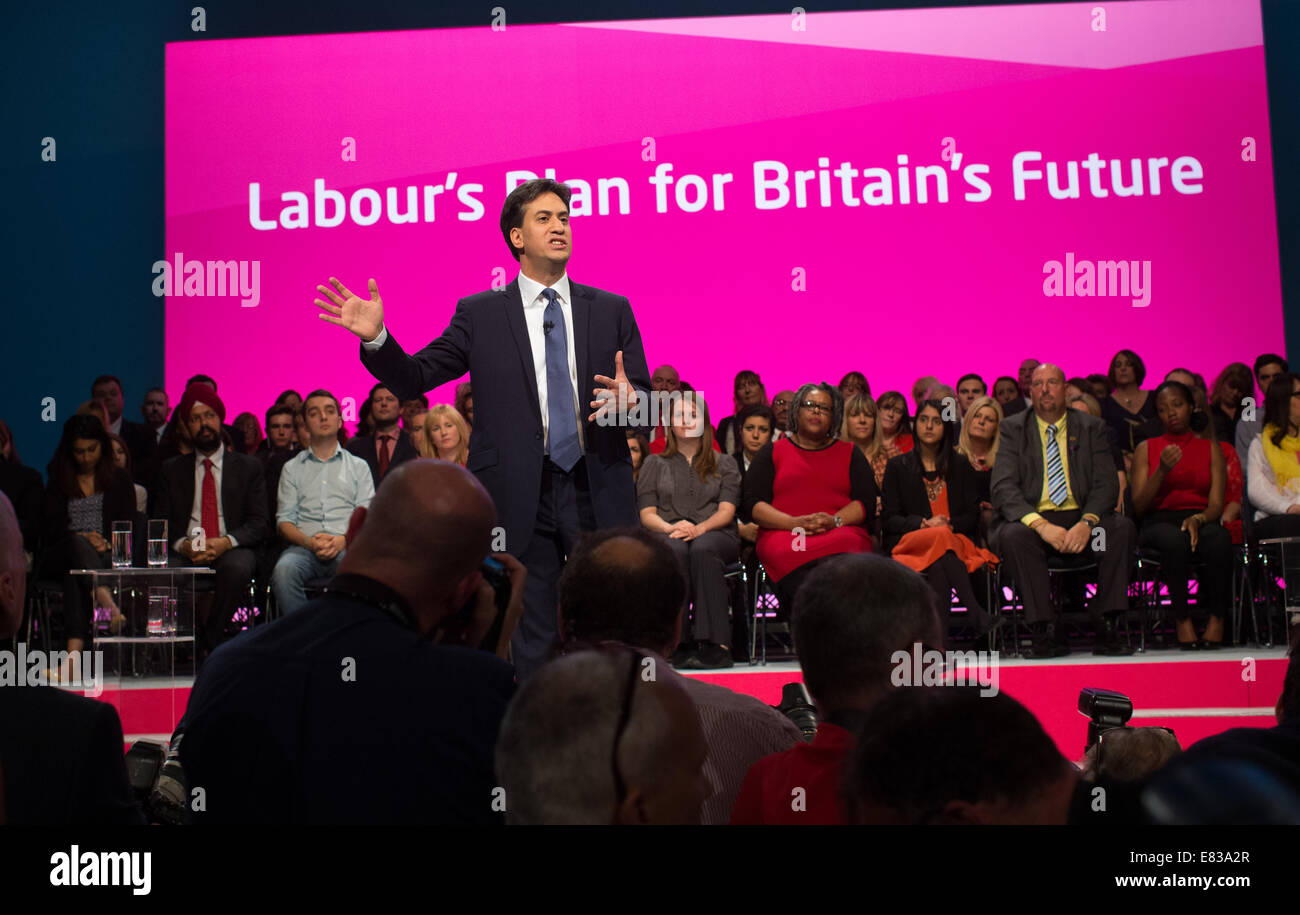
x,y
320,488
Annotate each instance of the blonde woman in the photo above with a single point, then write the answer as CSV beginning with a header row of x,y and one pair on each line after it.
x,y
978,443
445,435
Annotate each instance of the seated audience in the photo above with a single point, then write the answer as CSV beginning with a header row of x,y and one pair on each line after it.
x,y
812,495
1076,387
414,428
1089,404
970,387
140,439
860,427
688,495
413,407
86,494
248,434
214,503
850,617
757,423
288,398
1267,367
320,488
1179,481
1053,483
1024,381
1006,391
978,442
465,402
921,388
445,436
638,448
1230,388
1274,462
853,384
932,515
1128,407
281,445
590,740
367,707
155,409
365,424
386,447
300,430
24,487
122,460
781,410
61,760
951,756
1129,754
664,380
748,389
619,586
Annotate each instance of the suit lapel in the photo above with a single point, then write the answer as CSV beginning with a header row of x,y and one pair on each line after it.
x,y
1035,440
1072,454
513,303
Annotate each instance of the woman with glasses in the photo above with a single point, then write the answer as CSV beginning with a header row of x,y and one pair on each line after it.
x,y
1179,480
932,514
811,494
689,495
1274,462
1128,408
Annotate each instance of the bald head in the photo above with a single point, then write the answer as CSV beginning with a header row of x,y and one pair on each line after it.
x,y
13,570
1047,392
428,526
665,378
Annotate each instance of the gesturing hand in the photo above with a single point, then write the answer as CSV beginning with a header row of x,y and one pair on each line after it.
x,y
1170,457
364,317
614,393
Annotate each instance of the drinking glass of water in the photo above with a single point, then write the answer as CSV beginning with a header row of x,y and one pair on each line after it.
x,y
157,543
121,544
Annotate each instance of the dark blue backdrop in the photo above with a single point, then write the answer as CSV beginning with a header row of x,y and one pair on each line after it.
x,y
81,234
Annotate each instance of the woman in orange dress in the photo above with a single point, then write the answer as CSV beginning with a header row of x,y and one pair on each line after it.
x,y
931,514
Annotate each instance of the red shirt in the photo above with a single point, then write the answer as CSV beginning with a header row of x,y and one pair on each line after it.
x,y
1187,486
768,795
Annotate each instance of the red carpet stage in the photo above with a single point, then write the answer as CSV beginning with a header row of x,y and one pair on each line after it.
x,y
1197,694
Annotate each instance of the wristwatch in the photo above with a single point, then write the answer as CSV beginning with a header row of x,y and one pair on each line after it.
x,y
839,522
1091,523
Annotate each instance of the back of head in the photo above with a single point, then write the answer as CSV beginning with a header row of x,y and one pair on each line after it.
x,y
946,754
1128,754
850,616
555,756
622,585
429,519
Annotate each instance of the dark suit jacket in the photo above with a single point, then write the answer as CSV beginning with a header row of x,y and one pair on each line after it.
x,y
277,734
488,338
365,447
1017,482
25,490
905,506
62,760
142,443
243,496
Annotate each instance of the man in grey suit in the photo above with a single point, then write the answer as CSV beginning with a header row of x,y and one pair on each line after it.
x,y
1053,485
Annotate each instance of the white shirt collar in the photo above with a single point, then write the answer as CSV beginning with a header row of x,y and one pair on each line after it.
x,y
215,457
530,289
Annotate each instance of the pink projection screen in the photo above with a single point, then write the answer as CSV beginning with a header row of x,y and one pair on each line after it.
x,y
902,193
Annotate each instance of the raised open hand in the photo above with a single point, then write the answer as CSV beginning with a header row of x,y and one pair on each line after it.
x,y
364,317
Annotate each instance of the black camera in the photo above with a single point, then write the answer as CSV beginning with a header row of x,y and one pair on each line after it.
x,y
495,574
1105,709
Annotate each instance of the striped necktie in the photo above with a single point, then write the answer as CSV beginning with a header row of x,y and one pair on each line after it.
x,y
1057,489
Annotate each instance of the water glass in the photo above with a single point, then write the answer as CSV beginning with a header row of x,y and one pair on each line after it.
x,y
157,544
121,544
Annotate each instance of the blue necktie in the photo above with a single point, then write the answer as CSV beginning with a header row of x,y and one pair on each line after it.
x,y
1057,490
562,421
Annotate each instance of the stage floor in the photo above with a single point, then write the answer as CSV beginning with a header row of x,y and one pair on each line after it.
x,y
1195,693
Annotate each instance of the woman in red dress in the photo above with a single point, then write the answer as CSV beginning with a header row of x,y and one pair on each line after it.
x,y
811,494
1179,481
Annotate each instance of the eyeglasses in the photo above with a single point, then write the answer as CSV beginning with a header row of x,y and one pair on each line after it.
x,y
781,402
817,407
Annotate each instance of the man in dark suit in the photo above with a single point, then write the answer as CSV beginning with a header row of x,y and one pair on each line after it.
x,y
140,439
551,473
220,493
1053,483
61,754
388,447
349,712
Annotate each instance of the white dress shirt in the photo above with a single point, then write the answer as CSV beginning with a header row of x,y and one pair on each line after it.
x,y
196,507
534,313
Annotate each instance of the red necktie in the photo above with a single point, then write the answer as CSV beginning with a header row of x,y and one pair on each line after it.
x,y
385,454
211,524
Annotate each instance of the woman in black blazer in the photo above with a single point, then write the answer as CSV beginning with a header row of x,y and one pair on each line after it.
x,y
931,513
87,493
